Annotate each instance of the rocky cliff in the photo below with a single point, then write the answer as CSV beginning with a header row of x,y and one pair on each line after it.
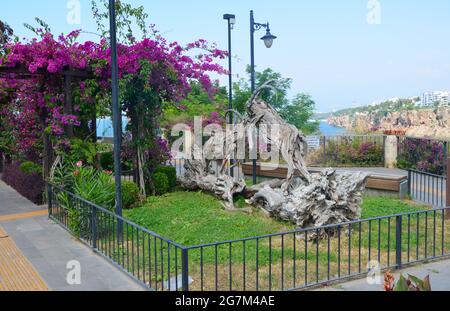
x,y
416,123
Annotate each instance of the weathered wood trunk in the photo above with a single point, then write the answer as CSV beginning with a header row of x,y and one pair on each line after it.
x,y
308,200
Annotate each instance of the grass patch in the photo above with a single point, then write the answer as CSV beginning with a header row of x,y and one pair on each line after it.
x,y
192,218
382,206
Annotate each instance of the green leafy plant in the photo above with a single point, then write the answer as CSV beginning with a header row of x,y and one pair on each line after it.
x,y
81,150
107,161
170,172
130,194
161,183
409,284
89,184
30,168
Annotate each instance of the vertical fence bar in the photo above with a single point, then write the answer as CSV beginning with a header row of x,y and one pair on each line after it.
x,y
94,227
398,242
50,199
409,183
447,182
446,157
185,269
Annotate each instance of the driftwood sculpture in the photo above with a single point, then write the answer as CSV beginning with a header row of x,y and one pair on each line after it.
x,y
308,200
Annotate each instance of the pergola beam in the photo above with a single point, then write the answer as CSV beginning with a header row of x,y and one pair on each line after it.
x,y
21,70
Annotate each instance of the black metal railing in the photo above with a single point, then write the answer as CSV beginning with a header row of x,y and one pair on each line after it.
x,y
427,188
146,256
298,259
284,261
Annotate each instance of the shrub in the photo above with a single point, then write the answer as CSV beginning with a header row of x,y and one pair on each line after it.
x,y
161,183
170,172
130,194
81,150
30,168
353,151
422,154
31,186
90,184
107,161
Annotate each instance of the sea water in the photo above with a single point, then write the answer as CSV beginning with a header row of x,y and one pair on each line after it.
x,y
330,130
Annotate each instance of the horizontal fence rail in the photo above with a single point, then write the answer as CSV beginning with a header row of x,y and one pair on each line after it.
x,y
427,188
284,261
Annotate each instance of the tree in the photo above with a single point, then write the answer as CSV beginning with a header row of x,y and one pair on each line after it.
x,y
297,111
6,34
127,16
152,71
197,103
278,99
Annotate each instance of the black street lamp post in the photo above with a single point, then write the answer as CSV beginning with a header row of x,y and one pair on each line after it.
x,y
268,41
117,115
231,22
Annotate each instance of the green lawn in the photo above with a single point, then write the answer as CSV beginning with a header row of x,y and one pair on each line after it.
x,y
192,218
382,206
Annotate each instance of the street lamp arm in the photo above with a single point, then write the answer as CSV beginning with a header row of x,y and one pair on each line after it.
x,y
258,26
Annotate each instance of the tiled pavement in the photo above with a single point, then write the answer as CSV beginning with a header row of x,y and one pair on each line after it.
x,y
16,271
49,248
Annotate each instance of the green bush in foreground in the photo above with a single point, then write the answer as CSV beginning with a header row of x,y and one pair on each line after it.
x,y
107,161
161,183
130,194
170,172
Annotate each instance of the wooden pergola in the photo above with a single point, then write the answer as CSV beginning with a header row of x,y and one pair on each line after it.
x,y
69,75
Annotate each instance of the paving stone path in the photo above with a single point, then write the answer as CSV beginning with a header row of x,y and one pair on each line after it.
x,y
49,250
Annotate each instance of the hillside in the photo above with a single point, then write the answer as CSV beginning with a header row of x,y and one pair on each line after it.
x,y
418,122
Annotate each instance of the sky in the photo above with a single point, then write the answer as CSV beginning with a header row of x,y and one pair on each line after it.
x,y
343,53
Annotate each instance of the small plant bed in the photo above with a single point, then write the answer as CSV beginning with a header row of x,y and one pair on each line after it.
x,y
277,262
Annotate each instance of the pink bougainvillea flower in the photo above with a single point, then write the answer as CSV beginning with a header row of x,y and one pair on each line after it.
x,y
173,68
79,164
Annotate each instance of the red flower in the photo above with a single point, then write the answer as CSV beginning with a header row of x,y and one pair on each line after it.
x,y
389,282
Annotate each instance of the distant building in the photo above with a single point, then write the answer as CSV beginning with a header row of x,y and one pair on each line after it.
x,y
430,98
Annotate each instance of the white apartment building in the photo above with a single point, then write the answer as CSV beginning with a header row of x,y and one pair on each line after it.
x,y
441,97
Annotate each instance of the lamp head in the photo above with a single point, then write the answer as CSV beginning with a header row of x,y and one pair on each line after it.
x,y
268,38
231,19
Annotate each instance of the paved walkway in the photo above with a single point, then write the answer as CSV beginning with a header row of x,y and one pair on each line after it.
x,y
48,248
439,272
16,272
